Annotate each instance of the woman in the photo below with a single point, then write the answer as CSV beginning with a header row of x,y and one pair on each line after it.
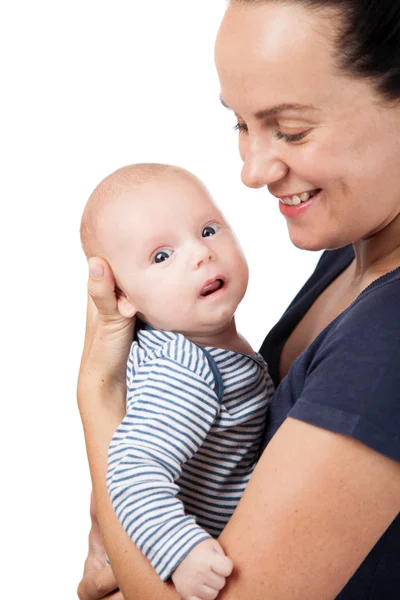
x,y
315,86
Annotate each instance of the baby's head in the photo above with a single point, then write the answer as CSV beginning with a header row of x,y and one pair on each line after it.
x,y
176,261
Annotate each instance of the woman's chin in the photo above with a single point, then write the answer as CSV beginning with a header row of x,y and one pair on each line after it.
x,y
307,243
314,242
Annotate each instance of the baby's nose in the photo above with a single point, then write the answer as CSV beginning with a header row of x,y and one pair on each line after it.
x,y
202,255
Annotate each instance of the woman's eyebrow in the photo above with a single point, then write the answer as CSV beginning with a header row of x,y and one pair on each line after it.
x,y
275,110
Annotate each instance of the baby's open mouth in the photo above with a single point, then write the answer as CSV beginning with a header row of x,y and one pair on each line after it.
x,y
211,287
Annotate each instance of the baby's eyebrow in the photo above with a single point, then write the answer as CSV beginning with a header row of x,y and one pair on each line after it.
x,y
273,111
149,239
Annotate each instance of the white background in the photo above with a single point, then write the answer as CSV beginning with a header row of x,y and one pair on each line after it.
x,y
88,87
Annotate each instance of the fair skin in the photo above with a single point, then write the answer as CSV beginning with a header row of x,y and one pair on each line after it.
x,y
317,501
176,261
178,266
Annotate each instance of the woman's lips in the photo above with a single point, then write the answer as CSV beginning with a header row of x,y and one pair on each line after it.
x,y
296,199
294,211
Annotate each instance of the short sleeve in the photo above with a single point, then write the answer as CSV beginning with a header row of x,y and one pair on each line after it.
x,y
352,378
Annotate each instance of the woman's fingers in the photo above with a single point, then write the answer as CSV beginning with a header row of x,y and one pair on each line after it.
x,y
96,585
102,288
96,576
108,334
98,581
101,302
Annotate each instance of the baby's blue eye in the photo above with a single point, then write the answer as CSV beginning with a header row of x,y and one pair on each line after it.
x,y
162,256
209,230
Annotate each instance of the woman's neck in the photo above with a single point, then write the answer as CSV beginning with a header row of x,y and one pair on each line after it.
x,y
378,254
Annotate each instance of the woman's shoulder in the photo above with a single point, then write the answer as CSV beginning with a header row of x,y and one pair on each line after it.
x,y
375,314
348,379
368,331
329,266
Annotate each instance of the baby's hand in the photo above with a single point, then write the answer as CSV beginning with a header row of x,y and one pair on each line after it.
x,y
202,574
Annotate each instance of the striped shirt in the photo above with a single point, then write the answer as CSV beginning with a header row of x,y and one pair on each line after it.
x,y
181,458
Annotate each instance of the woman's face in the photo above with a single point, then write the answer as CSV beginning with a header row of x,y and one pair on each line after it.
x,y
305,128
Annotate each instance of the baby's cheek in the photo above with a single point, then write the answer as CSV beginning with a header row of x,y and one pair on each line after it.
x,y
169,309
239,264
180,305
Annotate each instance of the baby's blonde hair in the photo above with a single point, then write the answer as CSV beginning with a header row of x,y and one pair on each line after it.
x,y
113,186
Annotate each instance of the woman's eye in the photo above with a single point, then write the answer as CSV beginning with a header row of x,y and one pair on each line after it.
x,y
296,137
162,256
209,230
241,127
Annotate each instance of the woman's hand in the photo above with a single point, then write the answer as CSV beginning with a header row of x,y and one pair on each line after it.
x,y
108,335
98,580
101,399
101,391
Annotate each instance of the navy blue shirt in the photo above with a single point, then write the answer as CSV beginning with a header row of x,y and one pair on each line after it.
x,y
348,381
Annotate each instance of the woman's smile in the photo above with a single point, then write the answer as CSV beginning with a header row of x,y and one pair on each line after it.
x,y
349,152
297,198
293,210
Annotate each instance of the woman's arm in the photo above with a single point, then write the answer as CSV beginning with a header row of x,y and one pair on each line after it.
x,y
98,580
135,576
101,400
315,505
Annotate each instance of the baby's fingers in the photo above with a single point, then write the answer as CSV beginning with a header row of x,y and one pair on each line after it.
x,y
214,581
205,593
221,565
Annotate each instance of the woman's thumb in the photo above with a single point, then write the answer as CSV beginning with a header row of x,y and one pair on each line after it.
x,y
101,287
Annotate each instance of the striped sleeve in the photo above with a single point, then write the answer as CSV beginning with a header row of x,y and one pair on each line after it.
x,y
167,420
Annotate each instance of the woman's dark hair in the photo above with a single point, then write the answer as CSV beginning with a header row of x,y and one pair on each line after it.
x,y
368,39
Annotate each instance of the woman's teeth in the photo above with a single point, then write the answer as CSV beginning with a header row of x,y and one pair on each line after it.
x,y
295,200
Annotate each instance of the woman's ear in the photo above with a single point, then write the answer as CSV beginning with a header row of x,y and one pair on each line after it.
x,y
125,306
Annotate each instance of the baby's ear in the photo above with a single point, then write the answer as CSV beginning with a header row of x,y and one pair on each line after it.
x,y
125,306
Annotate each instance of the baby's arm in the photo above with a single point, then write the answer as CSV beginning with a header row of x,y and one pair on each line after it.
x,y
164,426
202,574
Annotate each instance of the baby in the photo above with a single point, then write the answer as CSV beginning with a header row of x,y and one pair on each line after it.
x,y
197,393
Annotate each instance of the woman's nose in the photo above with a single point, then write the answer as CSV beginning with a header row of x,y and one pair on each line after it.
x,y
262,165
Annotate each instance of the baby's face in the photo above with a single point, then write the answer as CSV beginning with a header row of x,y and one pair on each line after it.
x,y
174,256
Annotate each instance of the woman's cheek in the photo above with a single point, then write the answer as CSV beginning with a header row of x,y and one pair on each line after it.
x,y
316,163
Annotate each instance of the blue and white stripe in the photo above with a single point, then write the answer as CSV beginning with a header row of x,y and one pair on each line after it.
x,y
181,458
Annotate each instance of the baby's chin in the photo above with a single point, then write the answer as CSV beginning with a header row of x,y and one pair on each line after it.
x,y
209,329
214,324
